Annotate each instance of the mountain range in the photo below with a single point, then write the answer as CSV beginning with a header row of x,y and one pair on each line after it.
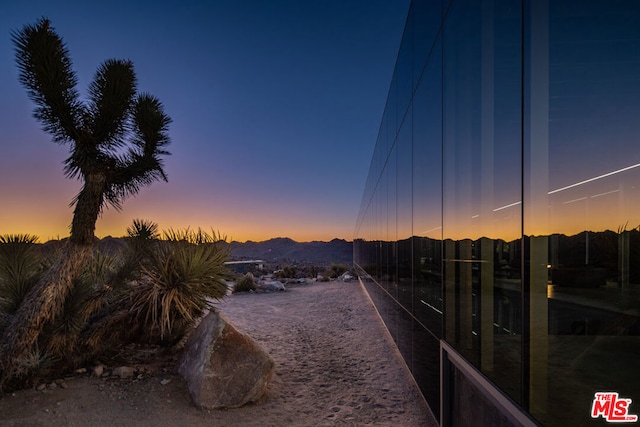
x,y
283,248
279,249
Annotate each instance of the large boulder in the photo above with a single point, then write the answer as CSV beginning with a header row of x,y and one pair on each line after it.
x,y
223,367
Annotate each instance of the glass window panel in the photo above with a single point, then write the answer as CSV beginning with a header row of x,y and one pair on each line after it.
x,y
481,185
390,248
404,226
427,195
426,16
403,74
582,216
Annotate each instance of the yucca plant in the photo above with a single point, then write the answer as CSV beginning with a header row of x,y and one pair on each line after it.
x,y
184,276
143,230
113,324
142,237
20,270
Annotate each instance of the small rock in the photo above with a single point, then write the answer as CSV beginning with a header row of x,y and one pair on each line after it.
x,y
81,371
52,386
123,372
63,385
165,381
41,387
98,371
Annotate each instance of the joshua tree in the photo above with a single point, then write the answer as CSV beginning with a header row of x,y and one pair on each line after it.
x,y
116,139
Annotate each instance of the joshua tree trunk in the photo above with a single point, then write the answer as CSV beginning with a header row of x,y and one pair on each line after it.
x,y
45,301
88,205
42,304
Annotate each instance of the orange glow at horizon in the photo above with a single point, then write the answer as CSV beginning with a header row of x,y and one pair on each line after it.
x,y
54,224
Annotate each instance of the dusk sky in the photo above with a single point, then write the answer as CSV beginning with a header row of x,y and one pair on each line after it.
x,y
275,105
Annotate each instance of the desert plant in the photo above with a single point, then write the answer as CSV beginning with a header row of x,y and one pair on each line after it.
x,y
116,137
184,276
20,269
335,270
287,272
246,283
142,237
92,291
143,230
35,364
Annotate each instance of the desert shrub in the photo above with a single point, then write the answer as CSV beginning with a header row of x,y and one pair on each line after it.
x,y
143,230
20,269
246,283
152,290
36,364
335,270
287,272
142,236
184,276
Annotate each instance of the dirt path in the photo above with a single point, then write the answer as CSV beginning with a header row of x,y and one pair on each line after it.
x,y
334,366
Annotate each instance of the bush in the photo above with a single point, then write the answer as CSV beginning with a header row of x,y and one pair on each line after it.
x,y
246,283
185,274
336,270
287,272
152,291
20,269
166,287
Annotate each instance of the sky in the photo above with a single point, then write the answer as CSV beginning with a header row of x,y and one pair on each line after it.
x,y
276,107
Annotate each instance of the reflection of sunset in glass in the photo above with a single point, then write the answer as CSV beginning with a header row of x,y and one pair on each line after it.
x,y
525,260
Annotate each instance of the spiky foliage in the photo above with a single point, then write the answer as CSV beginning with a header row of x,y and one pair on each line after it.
x,y
184,276
93,290
20,270
142,236
114,324
35,364
116,137
143,229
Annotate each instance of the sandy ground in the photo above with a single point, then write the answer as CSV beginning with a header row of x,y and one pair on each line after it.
x,y
335,366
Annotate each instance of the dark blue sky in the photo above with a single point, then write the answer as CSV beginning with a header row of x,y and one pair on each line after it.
x,y
275,105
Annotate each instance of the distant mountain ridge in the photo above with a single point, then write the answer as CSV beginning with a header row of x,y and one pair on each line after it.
x,y
284,248
278,249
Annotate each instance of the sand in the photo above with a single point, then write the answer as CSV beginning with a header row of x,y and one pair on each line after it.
x,y
335,366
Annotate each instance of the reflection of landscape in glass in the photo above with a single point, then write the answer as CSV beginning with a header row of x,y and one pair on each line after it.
x,y
502,209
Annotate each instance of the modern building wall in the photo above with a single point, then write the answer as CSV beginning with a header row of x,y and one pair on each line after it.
x,y
499,231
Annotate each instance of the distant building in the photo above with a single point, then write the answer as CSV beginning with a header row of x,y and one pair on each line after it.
x,y
498,234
